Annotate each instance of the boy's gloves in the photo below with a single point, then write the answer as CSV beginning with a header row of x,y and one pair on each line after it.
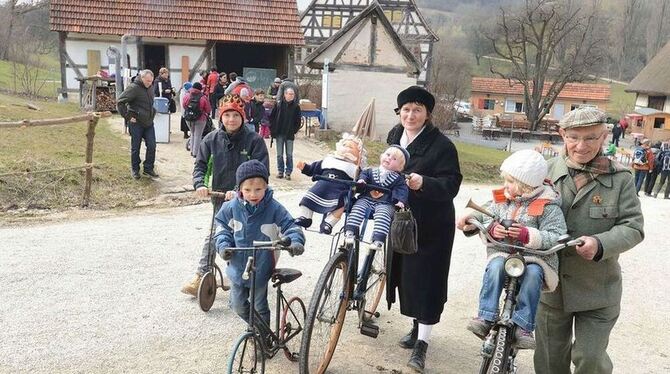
x,y
227,255
296,250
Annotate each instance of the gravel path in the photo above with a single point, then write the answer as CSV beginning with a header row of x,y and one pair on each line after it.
x,y
102,295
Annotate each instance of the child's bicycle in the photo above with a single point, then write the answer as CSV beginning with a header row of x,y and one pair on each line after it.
x,y
208,284
260,341
499,349
341,287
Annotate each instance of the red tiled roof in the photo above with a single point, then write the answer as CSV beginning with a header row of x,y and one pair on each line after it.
x,y
245,21
580,91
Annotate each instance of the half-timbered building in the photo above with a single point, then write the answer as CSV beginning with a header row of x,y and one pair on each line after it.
x,y
324,18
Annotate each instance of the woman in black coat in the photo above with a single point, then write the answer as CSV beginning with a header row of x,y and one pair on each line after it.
x,y
434,180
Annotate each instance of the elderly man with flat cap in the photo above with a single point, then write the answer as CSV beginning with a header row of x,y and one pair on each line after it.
x,y
601,208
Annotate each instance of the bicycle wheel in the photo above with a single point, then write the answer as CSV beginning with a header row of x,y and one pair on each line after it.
x,y
292,326
325,316
499,361
376,284
207,291
247,356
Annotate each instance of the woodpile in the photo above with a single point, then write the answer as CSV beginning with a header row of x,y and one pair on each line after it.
x,y
104,99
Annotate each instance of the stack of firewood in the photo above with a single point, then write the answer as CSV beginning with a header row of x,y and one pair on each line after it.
x,y
104,100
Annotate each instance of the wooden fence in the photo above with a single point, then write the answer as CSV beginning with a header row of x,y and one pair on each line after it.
x,y
92,119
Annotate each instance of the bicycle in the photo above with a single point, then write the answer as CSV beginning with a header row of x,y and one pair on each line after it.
x,y
498,349
341,287
208,285
260,341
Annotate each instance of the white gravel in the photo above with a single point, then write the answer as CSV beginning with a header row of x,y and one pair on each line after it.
x,y
102,295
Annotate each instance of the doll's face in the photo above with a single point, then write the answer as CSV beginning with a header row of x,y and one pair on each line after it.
x,y
392,159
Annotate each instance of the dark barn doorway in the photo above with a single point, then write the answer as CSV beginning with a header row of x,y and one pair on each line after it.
x,y
154,57
232,57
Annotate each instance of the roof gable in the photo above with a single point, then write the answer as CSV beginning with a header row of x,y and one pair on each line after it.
x,y
654,79
367,41
577,91
248,21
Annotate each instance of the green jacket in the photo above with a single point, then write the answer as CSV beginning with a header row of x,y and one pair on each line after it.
x,y
608,209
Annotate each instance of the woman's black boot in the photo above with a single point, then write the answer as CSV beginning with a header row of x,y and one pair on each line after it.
x,y
418,359
408,341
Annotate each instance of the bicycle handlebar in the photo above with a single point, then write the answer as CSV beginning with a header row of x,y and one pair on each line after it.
x,y
281,244
247,268
563,243
362,186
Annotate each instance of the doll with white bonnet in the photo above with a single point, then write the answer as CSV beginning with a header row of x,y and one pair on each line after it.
x,y
325,197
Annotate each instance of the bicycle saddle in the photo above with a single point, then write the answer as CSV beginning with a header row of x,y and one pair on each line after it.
x,y
281,276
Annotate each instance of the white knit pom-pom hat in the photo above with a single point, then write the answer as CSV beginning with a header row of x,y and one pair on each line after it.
x,y
527,166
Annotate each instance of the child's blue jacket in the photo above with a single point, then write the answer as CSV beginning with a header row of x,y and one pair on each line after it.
x,y
239,228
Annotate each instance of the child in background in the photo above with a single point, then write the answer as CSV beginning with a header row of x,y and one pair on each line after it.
x,y
535,208
254,109
253,215
268,104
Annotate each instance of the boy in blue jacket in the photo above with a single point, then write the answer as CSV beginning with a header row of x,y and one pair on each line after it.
x,y
253,215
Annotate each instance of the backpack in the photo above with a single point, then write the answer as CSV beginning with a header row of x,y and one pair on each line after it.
x,y
664,161
192,111
640,156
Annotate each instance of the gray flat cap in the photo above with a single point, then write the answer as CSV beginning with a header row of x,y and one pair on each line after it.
x,y
582,117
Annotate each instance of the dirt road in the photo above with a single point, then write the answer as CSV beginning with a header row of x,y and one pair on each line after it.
x,y
102,294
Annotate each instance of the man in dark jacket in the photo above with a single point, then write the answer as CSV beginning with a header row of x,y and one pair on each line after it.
x,y
219,155
284,124
136,105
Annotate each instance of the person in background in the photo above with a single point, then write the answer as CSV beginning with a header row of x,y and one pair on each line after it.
x,y
219,91
235,87
163,88
184,125
643,163
650,179
285,121
254,110
663,162
136,106
274,88
287,83
616,133
574,322
198,125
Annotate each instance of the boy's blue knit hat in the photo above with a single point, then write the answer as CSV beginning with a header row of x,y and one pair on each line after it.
x,y
251,169
188,85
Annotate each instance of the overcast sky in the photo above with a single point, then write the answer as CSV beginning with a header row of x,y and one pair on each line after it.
x,y
302,4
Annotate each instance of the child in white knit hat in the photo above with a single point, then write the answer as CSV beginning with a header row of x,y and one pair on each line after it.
x,y
534,207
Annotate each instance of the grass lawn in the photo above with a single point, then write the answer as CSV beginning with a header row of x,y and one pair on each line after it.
x,y
62,146
478,164
51,75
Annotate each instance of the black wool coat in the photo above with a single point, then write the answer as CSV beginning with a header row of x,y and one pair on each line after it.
x,y
421,278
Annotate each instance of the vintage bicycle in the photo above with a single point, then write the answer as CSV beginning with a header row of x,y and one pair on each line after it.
x,y
208,284
260,341
499,350
342,287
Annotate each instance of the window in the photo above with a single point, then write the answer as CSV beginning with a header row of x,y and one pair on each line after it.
x,y
574,106
337,22
659,122
488,104
326,21
656,102
397,15
513,106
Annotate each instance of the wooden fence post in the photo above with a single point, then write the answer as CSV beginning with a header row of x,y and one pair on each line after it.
x,y
90,134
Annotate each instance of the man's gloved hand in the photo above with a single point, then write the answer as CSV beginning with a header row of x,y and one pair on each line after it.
x,y
296,250
227,254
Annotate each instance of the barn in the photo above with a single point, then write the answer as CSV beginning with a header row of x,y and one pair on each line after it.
x,y
184,36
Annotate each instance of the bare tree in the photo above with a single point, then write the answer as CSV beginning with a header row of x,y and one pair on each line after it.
x,y
12,10
450,82
530,37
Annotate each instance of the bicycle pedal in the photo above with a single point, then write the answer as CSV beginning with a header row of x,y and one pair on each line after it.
x,y
368,329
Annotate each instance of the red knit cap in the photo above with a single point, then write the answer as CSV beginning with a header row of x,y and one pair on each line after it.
x,y
232,102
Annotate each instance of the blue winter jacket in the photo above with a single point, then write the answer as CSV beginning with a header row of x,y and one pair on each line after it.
x,y
239,228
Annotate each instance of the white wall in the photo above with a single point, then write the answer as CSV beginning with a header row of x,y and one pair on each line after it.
x,y
77,49
351,91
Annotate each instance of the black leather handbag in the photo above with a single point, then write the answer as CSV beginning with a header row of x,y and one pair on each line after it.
x,y
403,236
